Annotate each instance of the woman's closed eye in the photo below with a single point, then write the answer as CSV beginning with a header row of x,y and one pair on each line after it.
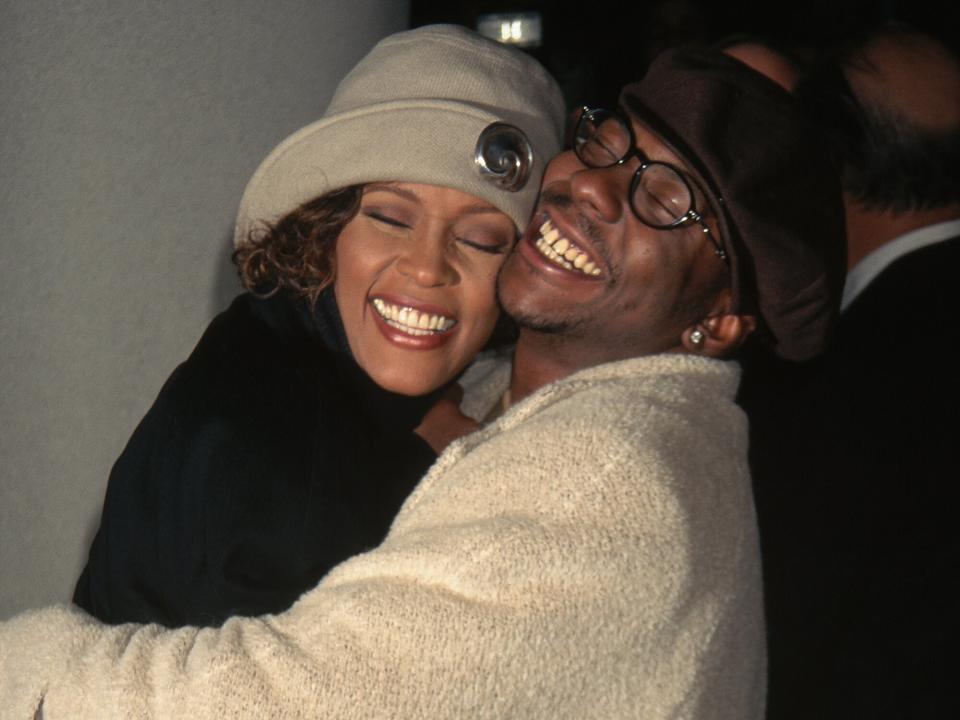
x,y
392,220
491,246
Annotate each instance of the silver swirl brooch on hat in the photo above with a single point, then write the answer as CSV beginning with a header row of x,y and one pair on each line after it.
x,y
504,156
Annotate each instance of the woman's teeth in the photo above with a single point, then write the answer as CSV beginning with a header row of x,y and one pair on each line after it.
x,y
562,252
410,321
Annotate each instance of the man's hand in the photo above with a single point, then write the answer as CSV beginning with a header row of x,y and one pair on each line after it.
x,y
444,422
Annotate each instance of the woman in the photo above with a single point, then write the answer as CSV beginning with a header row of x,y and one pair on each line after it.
x,y
369,241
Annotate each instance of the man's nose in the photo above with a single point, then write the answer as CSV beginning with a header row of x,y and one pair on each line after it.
x,y
599,192
426,261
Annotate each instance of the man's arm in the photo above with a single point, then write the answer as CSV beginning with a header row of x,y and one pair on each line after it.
x,y
553,570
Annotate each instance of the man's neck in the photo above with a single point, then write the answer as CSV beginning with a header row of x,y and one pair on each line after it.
x,y
535,364
542,358
868,230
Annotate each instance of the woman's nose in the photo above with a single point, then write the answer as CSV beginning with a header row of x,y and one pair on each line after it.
x,y
425,261
599,192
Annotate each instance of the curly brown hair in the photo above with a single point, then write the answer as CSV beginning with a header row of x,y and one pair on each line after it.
x,y
296,253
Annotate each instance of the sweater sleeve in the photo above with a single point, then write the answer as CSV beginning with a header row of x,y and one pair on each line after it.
x,y
556,571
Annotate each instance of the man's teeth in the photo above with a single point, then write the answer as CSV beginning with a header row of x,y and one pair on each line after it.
x,y
410,321
562,252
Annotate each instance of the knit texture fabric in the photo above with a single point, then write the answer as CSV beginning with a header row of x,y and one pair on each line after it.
x,y
413,110
592,553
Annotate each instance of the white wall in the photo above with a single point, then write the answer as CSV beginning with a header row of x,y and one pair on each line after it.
x,y
127,133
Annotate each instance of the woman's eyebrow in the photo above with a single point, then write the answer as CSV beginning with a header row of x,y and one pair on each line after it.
x,y
475,209
387,187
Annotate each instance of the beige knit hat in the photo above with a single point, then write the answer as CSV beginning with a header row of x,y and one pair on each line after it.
x,y
438,105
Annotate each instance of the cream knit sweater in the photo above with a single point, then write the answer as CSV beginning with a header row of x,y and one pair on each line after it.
x,y
591,554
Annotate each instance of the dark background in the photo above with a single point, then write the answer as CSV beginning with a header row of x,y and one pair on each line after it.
x,y
594,47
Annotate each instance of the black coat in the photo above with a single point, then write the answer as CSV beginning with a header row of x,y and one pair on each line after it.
x,y
855,469
268,457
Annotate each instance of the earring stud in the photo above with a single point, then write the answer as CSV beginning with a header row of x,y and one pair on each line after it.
x,y
697,337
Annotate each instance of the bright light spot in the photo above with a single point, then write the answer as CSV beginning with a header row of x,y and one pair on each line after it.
x,y
521,29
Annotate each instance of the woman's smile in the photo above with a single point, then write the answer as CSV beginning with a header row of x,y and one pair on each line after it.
x,y
412,326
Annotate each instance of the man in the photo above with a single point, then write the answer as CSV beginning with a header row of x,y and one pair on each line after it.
x,y
592,551
854,459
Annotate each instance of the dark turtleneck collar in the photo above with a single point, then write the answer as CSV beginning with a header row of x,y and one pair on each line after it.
x,y
327,323
390,410
306,327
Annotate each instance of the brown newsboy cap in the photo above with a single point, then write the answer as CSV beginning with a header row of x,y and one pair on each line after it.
x,y
770,181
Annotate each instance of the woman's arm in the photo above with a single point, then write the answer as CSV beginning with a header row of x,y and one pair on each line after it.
x,y
444,422
255,472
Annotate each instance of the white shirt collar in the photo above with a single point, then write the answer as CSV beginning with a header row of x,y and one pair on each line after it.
x,y
864,272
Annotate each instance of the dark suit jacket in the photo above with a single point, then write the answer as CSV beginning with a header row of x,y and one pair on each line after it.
x,y
856,469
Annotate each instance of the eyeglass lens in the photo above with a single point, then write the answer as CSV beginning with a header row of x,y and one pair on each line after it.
x,y
601,140
660,196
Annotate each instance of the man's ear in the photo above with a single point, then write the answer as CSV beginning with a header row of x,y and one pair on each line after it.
x,y
720,332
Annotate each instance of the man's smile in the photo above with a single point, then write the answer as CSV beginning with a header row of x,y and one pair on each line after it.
x,y
563,252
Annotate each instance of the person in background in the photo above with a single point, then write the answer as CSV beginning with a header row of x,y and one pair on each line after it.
x,y
592,550
854,455
369,242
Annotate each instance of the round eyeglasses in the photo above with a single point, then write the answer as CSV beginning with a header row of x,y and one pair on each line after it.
x,y
660,195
